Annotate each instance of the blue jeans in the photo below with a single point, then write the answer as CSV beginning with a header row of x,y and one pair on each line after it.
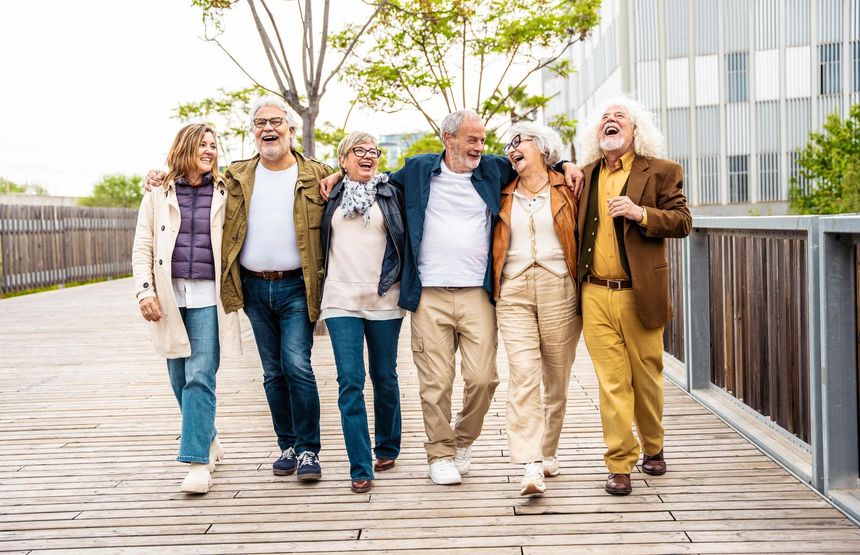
x,y
278,312
193,382
347,340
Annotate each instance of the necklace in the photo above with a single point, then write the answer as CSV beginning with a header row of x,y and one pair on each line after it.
x,y
534,191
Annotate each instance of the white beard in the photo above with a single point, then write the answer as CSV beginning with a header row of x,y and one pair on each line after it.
x,y
611,143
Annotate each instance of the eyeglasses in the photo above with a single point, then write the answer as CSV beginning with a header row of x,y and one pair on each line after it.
x,y
515,142
260,123
361,152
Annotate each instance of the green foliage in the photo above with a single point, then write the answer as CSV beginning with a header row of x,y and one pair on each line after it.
x,y
117,190
566,127
832,161
7,186
428,144
466,53
227,113
328,137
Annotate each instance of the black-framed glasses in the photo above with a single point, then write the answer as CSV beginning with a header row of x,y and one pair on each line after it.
x,y
361,152
515,142
275,122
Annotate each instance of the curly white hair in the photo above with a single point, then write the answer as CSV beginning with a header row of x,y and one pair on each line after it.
x,y
647,138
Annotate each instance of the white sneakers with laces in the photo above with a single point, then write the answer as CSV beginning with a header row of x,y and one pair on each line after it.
x,y
199,480
463,459
551,467
532,482
444,472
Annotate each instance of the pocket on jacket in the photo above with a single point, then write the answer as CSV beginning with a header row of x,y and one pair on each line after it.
x,y
314,209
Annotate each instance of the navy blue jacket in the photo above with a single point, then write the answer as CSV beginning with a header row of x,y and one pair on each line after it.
x,y
390,202
414,180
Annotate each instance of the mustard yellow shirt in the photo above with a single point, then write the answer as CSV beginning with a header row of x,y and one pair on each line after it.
x,y
606,263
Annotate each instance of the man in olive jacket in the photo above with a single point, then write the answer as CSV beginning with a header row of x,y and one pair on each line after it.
x,y
272,267
631,202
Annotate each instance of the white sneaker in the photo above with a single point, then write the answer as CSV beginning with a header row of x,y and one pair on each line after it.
x,y
216,454
532,482
463,459
443,472
551,467
199,480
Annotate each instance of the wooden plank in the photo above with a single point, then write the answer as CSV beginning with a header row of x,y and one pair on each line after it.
x,y
115,489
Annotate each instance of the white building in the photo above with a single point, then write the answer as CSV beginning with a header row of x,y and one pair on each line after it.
x,y
736,84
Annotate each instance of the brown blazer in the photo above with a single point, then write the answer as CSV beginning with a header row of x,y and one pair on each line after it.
x,y
656,184
564,209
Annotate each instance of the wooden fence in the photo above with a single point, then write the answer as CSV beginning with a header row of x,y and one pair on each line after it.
x,y
759,337
52,245
673,334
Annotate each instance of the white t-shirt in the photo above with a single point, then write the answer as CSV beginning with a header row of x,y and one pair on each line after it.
x,y
457,224
270,242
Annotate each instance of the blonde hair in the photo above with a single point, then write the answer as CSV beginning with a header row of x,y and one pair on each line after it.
x,y
647,137
182,157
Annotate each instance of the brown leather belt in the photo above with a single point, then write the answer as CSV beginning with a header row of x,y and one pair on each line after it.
x,y
273,275
614,284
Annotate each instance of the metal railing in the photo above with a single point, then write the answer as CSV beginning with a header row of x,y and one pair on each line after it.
x,y
768,311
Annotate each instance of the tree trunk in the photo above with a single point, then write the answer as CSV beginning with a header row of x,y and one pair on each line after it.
x,y
308,141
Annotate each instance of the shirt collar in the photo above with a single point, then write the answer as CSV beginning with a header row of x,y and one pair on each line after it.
x,y
626,161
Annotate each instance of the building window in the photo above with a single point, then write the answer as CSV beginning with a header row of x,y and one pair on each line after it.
x,y
768,177
856,46
709,180
829,70
794,171
739,178
736,77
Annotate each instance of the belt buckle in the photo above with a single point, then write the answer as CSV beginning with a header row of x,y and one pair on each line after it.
x,y
270,275
617,282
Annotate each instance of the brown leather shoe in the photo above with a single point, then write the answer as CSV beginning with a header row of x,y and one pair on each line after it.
x,y
655,465
361,486
381,465
618,484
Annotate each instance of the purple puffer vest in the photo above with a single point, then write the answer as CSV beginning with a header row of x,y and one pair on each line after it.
x,y
192,254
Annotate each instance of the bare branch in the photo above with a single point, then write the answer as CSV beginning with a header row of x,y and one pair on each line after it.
x,y
497,88
323,44
350,48
241,68
309,44
285,66
463,79
267,44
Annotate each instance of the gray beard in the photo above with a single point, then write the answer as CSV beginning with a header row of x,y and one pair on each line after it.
x,y
611,143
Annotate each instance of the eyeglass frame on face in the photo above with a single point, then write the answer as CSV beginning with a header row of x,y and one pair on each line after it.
x,y
275,122
515,142
365,152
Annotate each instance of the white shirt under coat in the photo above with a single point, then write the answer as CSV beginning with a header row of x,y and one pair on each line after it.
x,y
455,247
270,242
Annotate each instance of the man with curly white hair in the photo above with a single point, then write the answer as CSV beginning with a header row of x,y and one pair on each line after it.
x,y
631,202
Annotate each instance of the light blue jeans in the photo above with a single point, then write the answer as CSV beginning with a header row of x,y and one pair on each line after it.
x,y
193,382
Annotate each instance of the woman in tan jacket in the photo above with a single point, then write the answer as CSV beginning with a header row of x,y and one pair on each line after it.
x,y
177,277
534,269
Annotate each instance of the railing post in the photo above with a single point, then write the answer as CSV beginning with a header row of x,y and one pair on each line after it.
x,y
838,380
698,323
814,264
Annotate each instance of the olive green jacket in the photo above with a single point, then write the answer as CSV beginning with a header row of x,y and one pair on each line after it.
x,y
308,210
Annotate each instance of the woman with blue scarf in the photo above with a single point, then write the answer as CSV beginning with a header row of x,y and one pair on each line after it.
x,y
363,238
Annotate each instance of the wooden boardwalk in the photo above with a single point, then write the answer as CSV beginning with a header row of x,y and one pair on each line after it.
x,y
88,430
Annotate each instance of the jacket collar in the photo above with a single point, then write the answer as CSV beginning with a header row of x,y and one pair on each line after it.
x,y
436,168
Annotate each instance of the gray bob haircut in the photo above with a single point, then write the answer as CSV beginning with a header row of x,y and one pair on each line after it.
x,y
545,139
452,122
278,102
354,138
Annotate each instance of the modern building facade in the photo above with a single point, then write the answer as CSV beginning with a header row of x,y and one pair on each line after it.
x,y
737,85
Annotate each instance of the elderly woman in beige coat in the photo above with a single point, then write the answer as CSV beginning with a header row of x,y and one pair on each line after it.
x,y
177,277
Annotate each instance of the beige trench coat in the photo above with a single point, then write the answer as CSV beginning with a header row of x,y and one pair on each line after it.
x,y
154,239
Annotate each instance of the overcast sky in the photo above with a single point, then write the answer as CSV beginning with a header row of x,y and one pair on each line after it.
x,y
88,88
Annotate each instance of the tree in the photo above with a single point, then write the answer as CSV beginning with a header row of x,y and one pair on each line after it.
x,y
302,84
7,186
466,53
427,144
117,190
831,160
228,115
